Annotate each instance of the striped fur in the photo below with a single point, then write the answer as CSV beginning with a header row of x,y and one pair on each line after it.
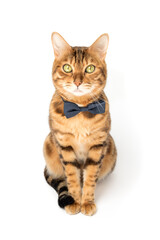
x,y
61,188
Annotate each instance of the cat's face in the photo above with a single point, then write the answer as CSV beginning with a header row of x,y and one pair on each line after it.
x,y
79,71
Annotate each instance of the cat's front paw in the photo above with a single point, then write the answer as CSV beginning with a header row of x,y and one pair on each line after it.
x,y
88,209
73,208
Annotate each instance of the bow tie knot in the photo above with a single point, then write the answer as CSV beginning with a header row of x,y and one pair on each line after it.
x,y
71,109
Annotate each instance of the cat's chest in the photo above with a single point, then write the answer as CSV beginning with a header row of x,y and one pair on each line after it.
x,y
77,134
80,133
81,140
81,151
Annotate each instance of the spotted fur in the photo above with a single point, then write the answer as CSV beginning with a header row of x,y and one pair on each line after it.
x,y
78,151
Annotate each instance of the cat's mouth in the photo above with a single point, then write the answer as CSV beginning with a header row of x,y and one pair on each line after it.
x,y
78,90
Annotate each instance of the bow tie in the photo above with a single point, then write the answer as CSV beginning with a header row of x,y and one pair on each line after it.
x,y
71,109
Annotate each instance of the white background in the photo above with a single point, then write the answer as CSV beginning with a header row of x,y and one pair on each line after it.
x,y
128,201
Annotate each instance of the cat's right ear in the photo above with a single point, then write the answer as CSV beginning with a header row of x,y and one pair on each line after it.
x,y
59,44
100,46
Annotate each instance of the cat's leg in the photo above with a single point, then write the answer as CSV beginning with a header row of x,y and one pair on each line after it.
x,y
72,173
100,161
54,173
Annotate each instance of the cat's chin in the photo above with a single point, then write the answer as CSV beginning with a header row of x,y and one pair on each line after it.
x,y
79,92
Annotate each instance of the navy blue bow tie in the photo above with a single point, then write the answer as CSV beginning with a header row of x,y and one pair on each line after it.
x,y
71,109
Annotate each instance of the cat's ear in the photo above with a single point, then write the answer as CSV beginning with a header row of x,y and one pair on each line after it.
x,y
59,44
100,46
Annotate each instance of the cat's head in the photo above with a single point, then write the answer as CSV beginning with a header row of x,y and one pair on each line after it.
x,y
79,73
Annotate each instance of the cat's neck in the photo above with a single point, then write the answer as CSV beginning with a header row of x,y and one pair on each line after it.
x,y
82,101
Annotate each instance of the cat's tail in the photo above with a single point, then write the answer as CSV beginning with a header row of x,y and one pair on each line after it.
x,y
60,186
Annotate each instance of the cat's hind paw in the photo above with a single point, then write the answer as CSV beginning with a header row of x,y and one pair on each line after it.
x,y
88,209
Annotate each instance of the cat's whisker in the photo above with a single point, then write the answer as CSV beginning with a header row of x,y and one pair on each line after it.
x,y
97,102
98,98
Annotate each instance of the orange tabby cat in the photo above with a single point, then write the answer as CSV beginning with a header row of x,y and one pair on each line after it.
x,y
79,149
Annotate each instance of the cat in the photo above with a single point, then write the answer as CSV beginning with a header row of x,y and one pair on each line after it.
x,y
79,150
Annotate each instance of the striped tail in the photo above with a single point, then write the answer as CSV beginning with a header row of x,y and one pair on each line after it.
x,y
60,186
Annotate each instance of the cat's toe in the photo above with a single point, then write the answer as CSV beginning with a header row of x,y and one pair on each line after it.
x,y
88,209
74,208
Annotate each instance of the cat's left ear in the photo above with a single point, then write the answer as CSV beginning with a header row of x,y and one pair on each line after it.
x,y
100,46
59,44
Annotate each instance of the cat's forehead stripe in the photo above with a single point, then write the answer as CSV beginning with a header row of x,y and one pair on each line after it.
x,y
79,54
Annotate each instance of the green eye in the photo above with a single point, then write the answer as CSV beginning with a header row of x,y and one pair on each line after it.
x,y
67,68
90,69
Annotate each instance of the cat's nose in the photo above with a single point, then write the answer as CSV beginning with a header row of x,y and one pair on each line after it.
x,y
77,82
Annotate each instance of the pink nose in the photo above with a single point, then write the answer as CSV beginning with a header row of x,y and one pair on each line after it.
x,y
77,83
